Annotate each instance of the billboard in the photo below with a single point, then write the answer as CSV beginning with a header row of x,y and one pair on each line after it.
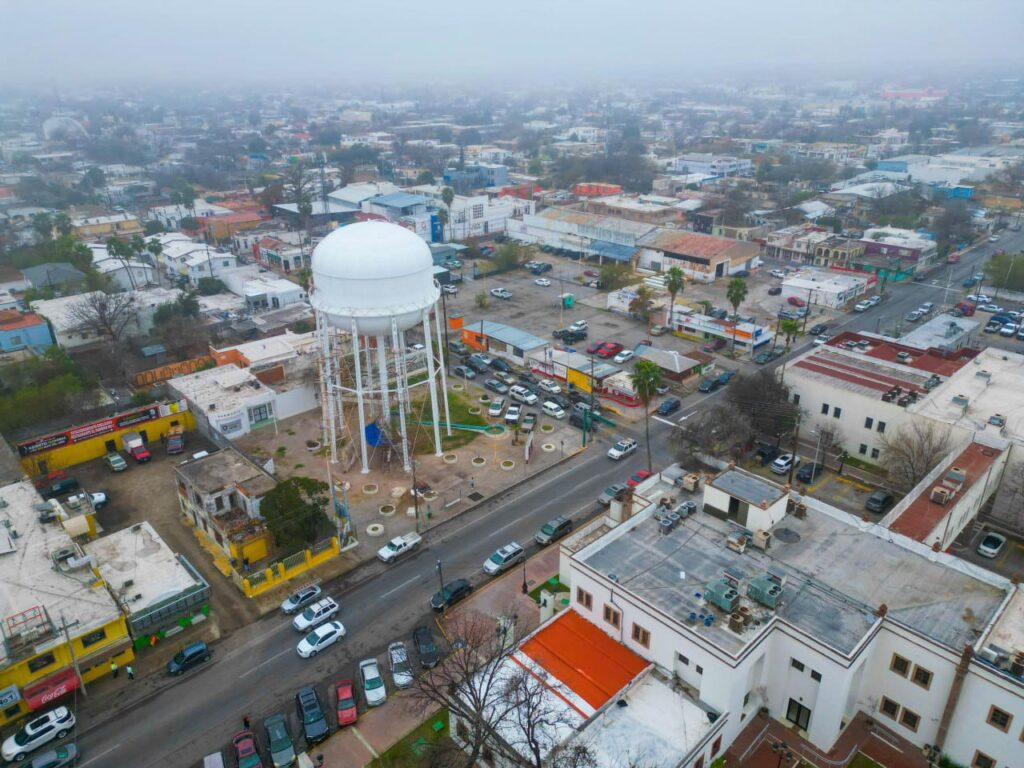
x,y
98,428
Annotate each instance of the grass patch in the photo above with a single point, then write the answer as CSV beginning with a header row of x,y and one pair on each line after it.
x,y
414,749
281,450
863,761
458,406
298,466
551,585
865,466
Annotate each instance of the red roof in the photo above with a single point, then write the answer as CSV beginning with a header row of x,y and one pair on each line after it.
x,y
589,662
920,518
12,320
930,360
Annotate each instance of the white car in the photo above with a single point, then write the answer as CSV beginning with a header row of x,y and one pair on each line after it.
x,y
496,408
522,395
983,298
579,325
1010,329
501,293
503,559
373,684
875,300
554,410
543,282
782,464
989,547
994,239
450,290
317,613
322,637
862,306
513,413
622,449
401,670
926,308
623,357
777,273
549,386
55,724
301,597
820,340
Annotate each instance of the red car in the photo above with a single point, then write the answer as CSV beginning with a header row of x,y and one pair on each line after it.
x,y
609,349
796,302
347,711
591,273
592,349
638,478
246,753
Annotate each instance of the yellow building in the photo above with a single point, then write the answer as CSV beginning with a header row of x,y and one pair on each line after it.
x,y
102,227
61,628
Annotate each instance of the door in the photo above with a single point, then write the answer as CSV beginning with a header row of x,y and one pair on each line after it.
x,y
111,446
144,436
798,714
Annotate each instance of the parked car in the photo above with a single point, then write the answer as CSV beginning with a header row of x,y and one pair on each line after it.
x,y
712,345
315,614
501,293
570,336
451,593
478,364
782,464
579,325
503,559
913,316
1010,329
348,712
554,410
862,306
553,530
464,372
818,329
669,406
623,448
926,307
741,273
508,379
638,478
612,492
399,546
592,349
63,756
374,690
718,313
821,340
549,386
659,330
763,358
279,741
543,282
115,461
426,648
623,357
521,394
495,386
458,348
775,290
609,349
879,501
766,452
449,290
796,301
725,377
496,408
311,715
992,308
989,547
874,300
301,597
398,662
808,473
979,298
528,422
189,657
707,385
243,744
512,414
320,638
39,730
777,273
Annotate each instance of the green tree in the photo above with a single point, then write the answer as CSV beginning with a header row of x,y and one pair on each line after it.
x,y
62,222
1006,271
294,512
209,286
736,294
675,281
646,378
640,306
155,248
425,177
613,275
448,197
42,224
789,329
535,167
480,300
122,251
508,256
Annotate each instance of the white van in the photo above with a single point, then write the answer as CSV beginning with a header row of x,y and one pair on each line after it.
x,y
522,395
216,760
554,410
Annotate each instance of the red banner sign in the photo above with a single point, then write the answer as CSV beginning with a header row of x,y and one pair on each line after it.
x,y
47,691
87,431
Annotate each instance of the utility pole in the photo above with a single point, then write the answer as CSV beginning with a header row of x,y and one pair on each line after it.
x,y
796,447
71,649
415,495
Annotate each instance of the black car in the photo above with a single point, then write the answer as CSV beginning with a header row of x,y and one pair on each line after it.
x,y
553,530
707,385
576,420
476,364
775,290
458,348
817,330
311,715
452,592
879,501
766,453
527,378
500,365
669,406
718,314
742,273
808,473
426,648
569,335
561,401
188,657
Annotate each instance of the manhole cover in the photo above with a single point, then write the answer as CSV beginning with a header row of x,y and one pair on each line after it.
x,y
786,535
475,496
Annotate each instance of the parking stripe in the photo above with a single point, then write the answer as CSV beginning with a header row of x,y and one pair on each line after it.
x,y
364,742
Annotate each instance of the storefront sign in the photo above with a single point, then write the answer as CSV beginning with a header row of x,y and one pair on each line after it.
x,y
52,688
88,431
9,696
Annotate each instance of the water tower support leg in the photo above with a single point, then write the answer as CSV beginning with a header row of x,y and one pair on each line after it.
x,y
444,375
402,387
359,397
382,375
432,382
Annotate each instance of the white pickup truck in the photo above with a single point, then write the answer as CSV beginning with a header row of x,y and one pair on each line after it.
x,y
399,546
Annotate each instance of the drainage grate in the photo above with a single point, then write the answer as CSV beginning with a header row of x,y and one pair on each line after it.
x,y
475,496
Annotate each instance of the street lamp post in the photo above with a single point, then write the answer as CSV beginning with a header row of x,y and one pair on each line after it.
x,y
526,587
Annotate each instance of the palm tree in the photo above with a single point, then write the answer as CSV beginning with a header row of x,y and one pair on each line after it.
x,y
790,329
63,223
42,223
121,251
638,307
674,283
736,294
448,197
646,378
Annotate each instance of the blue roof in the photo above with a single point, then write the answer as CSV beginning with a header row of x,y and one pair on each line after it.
x,y
399,200
507,334
611,250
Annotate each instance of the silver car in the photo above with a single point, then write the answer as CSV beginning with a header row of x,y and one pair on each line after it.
x,y
373,684
299,598
503,559
401,670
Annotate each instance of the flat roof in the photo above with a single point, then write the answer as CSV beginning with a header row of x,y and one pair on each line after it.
x,y
838,571
748,487
942,330
506,334
140,556
225,468
226,387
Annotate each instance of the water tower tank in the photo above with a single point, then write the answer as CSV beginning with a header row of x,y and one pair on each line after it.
x,y
372,272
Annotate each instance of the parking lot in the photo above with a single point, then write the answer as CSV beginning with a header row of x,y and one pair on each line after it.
x,y
1009,562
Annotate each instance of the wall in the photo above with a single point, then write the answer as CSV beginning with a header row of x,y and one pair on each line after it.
x,y
169,371
970,730
281,572
295,401
35,336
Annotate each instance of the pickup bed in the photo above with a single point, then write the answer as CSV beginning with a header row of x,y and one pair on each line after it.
x,y
399,546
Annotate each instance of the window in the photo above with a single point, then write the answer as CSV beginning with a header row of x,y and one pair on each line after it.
x,y
259,413
716,746
699,669
997,718
863,450
13,711
869,422
699,763
881,427
746,698
41,662
874,453
899,665
981,760
15,340
641,636
462,730
584,598
94,637
837,412
478,211
797,665
796,399
682,659
612,616
815,675
889,707
910,719
798,714
824,408
922,677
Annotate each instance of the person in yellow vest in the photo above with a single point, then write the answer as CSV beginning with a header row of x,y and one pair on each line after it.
x,y
113,668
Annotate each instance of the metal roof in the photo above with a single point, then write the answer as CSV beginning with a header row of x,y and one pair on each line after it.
x,y
507,334
611,250
399,200
748,487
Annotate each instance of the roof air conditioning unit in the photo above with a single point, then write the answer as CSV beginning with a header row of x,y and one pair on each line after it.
x,y
961,400
941,495
955,478
64,553
983,374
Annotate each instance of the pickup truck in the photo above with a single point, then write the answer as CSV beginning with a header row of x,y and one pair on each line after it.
x,y
399,546
528,422
136,447
175,440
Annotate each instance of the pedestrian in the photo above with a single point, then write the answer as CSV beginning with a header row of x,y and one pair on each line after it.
x,y
129,671
113,668
245,721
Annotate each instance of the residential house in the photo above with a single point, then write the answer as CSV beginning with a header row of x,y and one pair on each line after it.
x,y
414,212
268,292
60,276
831,289
23,330
477,215
62,314
886,246
171,216
122,225
796,243
837,252
714,165
127,274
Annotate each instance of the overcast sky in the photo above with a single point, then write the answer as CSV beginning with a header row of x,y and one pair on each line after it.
x,y
526,42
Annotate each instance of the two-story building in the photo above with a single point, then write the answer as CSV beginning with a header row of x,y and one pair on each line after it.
x,y
226,401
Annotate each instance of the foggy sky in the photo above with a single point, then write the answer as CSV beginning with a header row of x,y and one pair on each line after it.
x,y
513,42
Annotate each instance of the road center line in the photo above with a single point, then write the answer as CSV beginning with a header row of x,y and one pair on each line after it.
x,y
101,754
264,663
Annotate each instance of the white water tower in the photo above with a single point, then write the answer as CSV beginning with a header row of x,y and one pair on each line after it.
x,y
372,282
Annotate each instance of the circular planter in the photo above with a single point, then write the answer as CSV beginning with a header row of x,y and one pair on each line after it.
x,y
398,491
429,496
475,410
478,461
457,387
485,399
508,465
387,510
547,447
450,458
546,428
375,530
313,446
370,489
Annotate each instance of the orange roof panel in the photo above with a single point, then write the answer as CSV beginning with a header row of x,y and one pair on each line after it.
x,y
584,658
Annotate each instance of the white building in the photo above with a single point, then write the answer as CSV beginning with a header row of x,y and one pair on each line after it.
x,y
207,262
269,292
227,400
824,288
66,324
476,215
170,216
714,165
128,274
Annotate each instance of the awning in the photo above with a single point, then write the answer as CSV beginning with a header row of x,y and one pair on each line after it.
x,y
611,250
76,526
47,691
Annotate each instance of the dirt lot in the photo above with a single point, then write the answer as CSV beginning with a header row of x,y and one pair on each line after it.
x,y
147,492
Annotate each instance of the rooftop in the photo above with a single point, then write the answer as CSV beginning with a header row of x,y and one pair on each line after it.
x,y
748,487
224,388
506,334
12,320
224,469
941,332
698,245
400,200
838,571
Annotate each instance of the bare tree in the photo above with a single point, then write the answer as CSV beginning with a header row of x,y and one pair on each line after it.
x,y
540,720
720,430
104,314
913,451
